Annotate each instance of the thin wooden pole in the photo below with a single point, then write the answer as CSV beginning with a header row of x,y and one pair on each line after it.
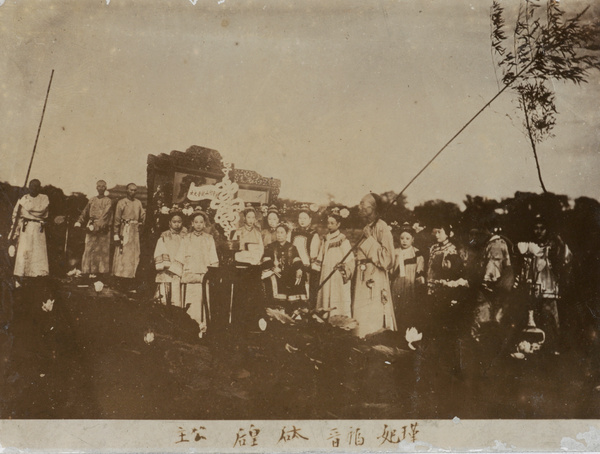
x,y
39,129
486,105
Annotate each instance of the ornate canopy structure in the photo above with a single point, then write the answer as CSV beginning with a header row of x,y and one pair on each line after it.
x,y
171,176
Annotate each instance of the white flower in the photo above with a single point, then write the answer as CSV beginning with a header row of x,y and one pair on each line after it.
x,y
534,248
523,247
149,337
74,273
262,324
47,306
524,347
314,207
418,228
187,211
344,213
412,335
164,210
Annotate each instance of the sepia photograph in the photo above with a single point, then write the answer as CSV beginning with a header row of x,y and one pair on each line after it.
x,y
313,225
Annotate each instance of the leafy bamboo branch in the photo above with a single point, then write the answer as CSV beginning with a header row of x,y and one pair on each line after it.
x,y
545,47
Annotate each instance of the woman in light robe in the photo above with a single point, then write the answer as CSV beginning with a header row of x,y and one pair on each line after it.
x,y
167,248
30,214
372,303
250,238
335,295
196,253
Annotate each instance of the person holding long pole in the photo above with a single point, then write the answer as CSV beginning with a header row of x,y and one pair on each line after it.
x,y
29,217
29,220
372,302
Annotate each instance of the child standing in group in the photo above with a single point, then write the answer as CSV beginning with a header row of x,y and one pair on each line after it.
x,y
408,273
196,253
168,284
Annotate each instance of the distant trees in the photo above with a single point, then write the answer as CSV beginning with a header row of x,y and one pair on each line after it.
x,y
434,211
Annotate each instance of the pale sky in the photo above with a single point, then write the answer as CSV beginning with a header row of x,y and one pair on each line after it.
x,y
338,97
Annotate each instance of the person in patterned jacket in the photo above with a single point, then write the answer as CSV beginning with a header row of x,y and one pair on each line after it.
x,y
308,243
283,272
543,275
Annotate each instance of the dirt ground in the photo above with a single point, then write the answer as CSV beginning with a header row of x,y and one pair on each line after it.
x,y
87,358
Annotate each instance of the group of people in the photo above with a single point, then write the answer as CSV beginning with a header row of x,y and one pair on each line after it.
x,y
386,281
390,280
299,268
99,220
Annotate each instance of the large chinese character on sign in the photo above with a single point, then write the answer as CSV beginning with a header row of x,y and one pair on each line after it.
x,y
198,179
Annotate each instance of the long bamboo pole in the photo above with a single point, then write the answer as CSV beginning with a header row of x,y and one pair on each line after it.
x,y
39,129
16,220
440,151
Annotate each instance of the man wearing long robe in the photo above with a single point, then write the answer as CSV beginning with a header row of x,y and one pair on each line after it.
x,y
97,217
129,216
30,214
372,302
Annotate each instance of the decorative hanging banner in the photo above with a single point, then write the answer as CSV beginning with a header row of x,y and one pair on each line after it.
x,y
227,205
206,192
